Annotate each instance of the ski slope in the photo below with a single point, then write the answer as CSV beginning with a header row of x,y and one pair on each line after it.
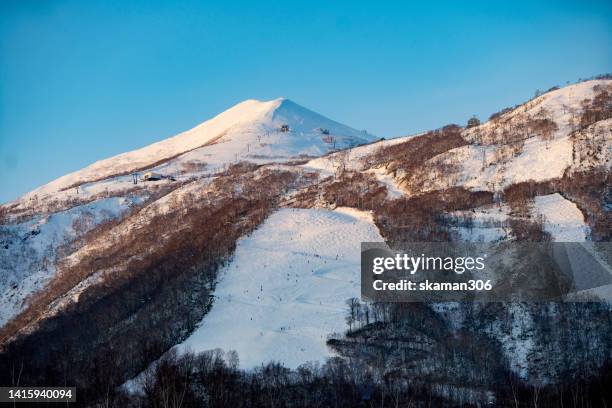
x,y
286,287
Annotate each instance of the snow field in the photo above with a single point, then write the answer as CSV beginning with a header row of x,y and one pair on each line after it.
x,y
286,288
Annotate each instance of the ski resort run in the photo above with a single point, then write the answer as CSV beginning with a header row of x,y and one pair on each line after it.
x,y
286,288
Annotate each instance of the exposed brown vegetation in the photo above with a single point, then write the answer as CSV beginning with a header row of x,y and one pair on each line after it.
x,y
405,157
496,115
420,218
526,190
592,193
599,108
543,127
193,167
351,189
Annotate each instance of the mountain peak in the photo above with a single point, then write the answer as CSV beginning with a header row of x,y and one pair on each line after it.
x,y
261,131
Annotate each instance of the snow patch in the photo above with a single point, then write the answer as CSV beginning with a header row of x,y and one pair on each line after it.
x,y
562,218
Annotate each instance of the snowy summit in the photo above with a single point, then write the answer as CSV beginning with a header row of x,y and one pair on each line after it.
x,y
260,131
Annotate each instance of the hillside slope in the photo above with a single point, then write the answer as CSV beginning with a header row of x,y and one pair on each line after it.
x,y
124,271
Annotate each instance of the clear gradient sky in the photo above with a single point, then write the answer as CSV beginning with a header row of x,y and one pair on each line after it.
x,y
84,80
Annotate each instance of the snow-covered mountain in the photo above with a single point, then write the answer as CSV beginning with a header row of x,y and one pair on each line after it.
x,y
260,131
257,208
275,131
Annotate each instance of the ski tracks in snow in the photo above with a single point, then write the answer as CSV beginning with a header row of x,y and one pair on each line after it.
x,y
286,289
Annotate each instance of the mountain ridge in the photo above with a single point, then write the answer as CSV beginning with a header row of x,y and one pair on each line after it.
x,y
246,117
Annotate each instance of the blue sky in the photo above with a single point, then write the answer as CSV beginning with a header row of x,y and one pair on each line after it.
x,y
81,81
